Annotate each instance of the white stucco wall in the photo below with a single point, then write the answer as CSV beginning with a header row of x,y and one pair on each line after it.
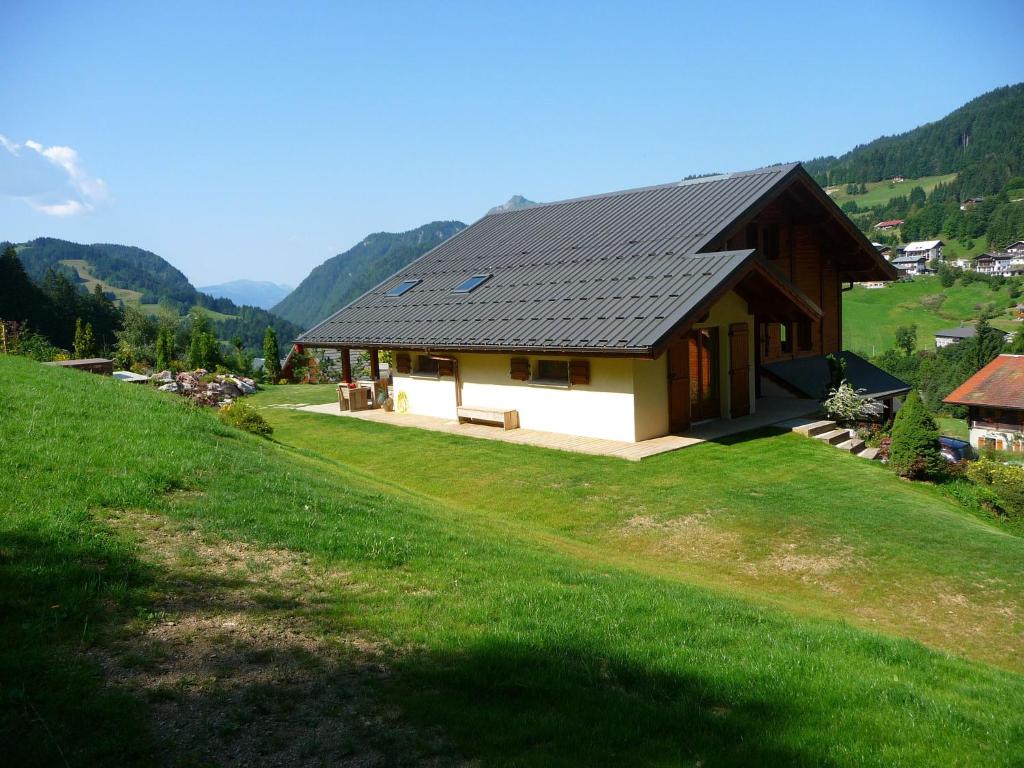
x,y
650,398
604,408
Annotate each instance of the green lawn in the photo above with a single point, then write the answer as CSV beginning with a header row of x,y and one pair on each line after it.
x,y
532,607
871,316
953,427
881,192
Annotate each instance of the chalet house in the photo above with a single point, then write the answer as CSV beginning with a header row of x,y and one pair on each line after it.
x,y
897,179
970,202
929,249
1016,248
994,397
949,336
889,224
910,265
625,316
1000,263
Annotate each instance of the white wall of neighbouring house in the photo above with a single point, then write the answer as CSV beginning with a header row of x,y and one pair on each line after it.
x,y
604,408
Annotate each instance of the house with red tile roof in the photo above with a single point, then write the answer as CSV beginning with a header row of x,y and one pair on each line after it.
x,y
994,397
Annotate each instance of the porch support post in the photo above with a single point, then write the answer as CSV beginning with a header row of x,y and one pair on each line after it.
x,y
346,366
375,364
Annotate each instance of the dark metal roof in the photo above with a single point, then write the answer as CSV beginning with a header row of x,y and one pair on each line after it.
x,y
963,332
613,272
810,376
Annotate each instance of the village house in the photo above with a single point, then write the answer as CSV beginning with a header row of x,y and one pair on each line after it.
x,y
910,265
624,316
994,397
929,249
949,336
1000,263
889,224
1016,248
970,202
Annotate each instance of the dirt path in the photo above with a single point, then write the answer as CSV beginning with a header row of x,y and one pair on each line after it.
x,y
235,673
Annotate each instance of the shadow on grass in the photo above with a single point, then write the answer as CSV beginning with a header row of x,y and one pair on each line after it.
x,y
56,591
516,704
267,694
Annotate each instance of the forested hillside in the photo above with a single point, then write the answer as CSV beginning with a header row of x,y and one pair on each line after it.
x,y
959,179
982,142
125,275
348,275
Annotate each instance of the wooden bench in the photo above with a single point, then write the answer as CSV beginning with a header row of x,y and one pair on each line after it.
x,y
507,419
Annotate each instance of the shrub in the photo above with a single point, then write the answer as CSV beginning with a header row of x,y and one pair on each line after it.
x,y
1004,481
245,417
846,404
914,451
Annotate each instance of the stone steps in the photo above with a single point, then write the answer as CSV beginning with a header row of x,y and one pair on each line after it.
x,y
853,445
830,433
814,428
834,437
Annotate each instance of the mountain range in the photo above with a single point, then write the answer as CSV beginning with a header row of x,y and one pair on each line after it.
x,y
255,293
135,276
348,275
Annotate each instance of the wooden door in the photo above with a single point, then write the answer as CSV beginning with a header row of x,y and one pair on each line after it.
x,y
739,369
705,400
679,385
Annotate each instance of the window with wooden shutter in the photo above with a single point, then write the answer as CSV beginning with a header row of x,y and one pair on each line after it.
x,y
519,369
579,372
445,368
426,366
403,363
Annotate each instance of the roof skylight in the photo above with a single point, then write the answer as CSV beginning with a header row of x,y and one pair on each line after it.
x,y
470,283
402,287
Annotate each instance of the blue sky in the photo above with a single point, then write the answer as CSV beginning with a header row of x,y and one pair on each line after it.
x,y
256,140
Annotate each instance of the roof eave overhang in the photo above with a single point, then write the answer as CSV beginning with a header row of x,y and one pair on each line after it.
x,y
751,265
533,349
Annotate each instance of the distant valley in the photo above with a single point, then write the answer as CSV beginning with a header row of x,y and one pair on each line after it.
x,y
255,293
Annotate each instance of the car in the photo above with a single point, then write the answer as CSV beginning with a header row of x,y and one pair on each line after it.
x,y
954,449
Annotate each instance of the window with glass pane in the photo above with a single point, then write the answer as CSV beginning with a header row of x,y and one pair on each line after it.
x,y
552,372
470,283
402,287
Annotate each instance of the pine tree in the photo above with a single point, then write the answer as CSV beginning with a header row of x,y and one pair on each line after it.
x,y
914,452
164,348
989,342
271,356
85,341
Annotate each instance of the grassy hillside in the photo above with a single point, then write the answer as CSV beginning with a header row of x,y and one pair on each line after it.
x,y
881,192
497,603
871,317
348,275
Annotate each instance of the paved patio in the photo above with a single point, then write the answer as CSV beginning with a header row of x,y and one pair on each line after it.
x,y
769,411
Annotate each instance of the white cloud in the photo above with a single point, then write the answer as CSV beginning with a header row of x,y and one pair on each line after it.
x,y
49,179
